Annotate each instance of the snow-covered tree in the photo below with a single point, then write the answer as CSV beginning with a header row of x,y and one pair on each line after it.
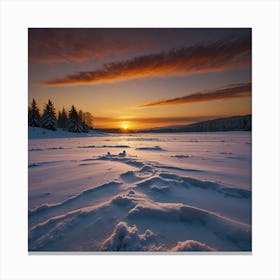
x,y
82,116
75,123
88,119
62,119
48,119
33,114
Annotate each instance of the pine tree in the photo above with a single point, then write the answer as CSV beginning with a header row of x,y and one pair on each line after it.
x,y
75,123
29,115
82,117
48,119
33,114
59,119
62,119
88,119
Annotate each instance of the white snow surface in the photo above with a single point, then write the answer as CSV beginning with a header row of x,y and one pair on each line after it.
x,y
139,192
41,133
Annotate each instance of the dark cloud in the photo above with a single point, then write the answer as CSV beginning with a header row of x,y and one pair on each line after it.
x,y
78,44
199,58
227,92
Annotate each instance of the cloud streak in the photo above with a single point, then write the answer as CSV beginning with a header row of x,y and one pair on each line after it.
x,y
232,91
61,45
199,58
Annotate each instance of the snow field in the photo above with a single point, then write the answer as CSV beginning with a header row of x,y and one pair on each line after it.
x,y
166,192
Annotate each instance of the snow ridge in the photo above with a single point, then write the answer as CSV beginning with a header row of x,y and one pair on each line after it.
x,y
146,201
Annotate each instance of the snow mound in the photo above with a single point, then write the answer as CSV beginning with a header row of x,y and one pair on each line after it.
x,y
43,234
87,147
129,176
235,192
134,176
82,199
191,182
192,245
141,139
104,146
123,200
155,148
118,158
195,183
228,229
47,149
147,169
127,238
169,167
155,184
38,164
182,156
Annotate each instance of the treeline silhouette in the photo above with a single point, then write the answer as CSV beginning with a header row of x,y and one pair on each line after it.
x,y
72,121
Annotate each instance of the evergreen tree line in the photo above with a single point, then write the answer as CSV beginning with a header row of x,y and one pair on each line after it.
x,y
73,121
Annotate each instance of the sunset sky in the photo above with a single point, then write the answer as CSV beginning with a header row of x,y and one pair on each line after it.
x,y
142,78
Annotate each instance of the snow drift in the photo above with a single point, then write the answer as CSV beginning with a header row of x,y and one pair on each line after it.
x,y
127,238
184,195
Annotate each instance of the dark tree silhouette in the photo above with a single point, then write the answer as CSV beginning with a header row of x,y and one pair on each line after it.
x,y
62,119
75,123
83,117
88,119
33,114
48,119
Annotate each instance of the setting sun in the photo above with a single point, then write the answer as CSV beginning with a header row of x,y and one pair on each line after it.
x,y
125,126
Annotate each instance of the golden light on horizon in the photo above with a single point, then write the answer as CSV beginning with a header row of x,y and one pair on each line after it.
x,y
125,126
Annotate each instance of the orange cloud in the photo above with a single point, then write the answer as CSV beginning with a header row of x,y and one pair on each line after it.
x,y
199,58
228,92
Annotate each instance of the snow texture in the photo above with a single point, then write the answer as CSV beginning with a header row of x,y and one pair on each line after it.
x,y
192,192
127,238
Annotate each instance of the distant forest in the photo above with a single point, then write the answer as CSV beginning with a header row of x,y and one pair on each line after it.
x,y
235,123
72,120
